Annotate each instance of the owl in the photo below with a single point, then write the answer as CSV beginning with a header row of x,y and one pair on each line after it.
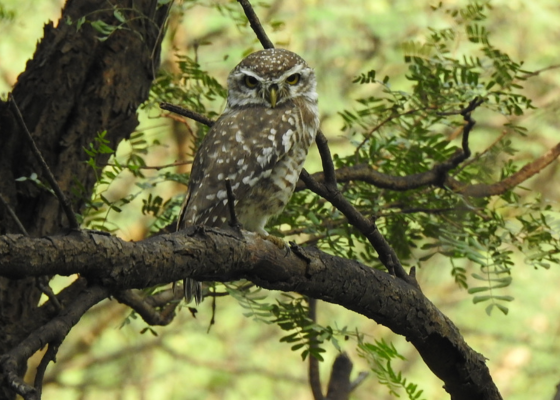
x,y
260,143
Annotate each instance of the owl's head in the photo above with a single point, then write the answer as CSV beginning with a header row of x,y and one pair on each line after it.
x,y
270,78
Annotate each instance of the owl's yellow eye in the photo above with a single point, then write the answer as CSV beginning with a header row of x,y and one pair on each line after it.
x,y
293,79
251,82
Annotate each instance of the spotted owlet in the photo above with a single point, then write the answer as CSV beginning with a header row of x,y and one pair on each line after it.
x,y
260,143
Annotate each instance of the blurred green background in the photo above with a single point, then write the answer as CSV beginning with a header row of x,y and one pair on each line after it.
x,y
239,358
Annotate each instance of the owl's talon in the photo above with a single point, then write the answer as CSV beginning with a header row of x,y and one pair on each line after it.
x,y
278,242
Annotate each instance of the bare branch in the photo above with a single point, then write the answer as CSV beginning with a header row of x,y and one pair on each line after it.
x,y
339,384
539,71
256,24
394,114
13,215
313,372
50,355
65,203
158,167
43,285
529,170
52,332
367,227
162,259
356,382
326,160
186,113
146,310
557,394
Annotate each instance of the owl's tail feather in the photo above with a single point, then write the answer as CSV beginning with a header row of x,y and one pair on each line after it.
x,y
193,289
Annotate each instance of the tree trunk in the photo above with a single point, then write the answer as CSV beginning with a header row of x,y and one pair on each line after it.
x,y
75,87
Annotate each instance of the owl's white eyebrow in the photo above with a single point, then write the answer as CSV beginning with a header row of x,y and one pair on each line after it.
x,y
250,73
291,71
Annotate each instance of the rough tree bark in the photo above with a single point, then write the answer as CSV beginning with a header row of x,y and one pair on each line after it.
x,y
112,263
75,87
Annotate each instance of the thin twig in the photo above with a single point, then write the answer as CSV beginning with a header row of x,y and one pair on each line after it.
x,y
213,317
158,167
13,215
356,382
314,375
473,105
66,206
392,116
481,154
256,24
42,283
186,113
539,71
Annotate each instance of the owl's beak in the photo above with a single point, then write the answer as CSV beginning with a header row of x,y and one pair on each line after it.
x,y
273,95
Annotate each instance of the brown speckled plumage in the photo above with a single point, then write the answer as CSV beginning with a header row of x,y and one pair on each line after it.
x,y
259,143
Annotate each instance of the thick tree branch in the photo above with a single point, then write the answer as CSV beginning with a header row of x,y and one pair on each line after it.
x,y
192,253
339,383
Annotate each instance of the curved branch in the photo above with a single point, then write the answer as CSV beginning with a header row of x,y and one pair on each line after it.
x,y
146,309
192,253
528,171
53,332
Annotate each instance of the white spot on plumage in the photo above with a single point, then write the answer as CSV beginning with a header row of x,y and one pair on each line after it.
x,y
239,137
287,139
261,149
262,160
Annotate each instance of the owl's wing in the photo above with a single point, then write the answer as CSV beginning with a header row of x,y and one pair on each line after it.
x,y
243,146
